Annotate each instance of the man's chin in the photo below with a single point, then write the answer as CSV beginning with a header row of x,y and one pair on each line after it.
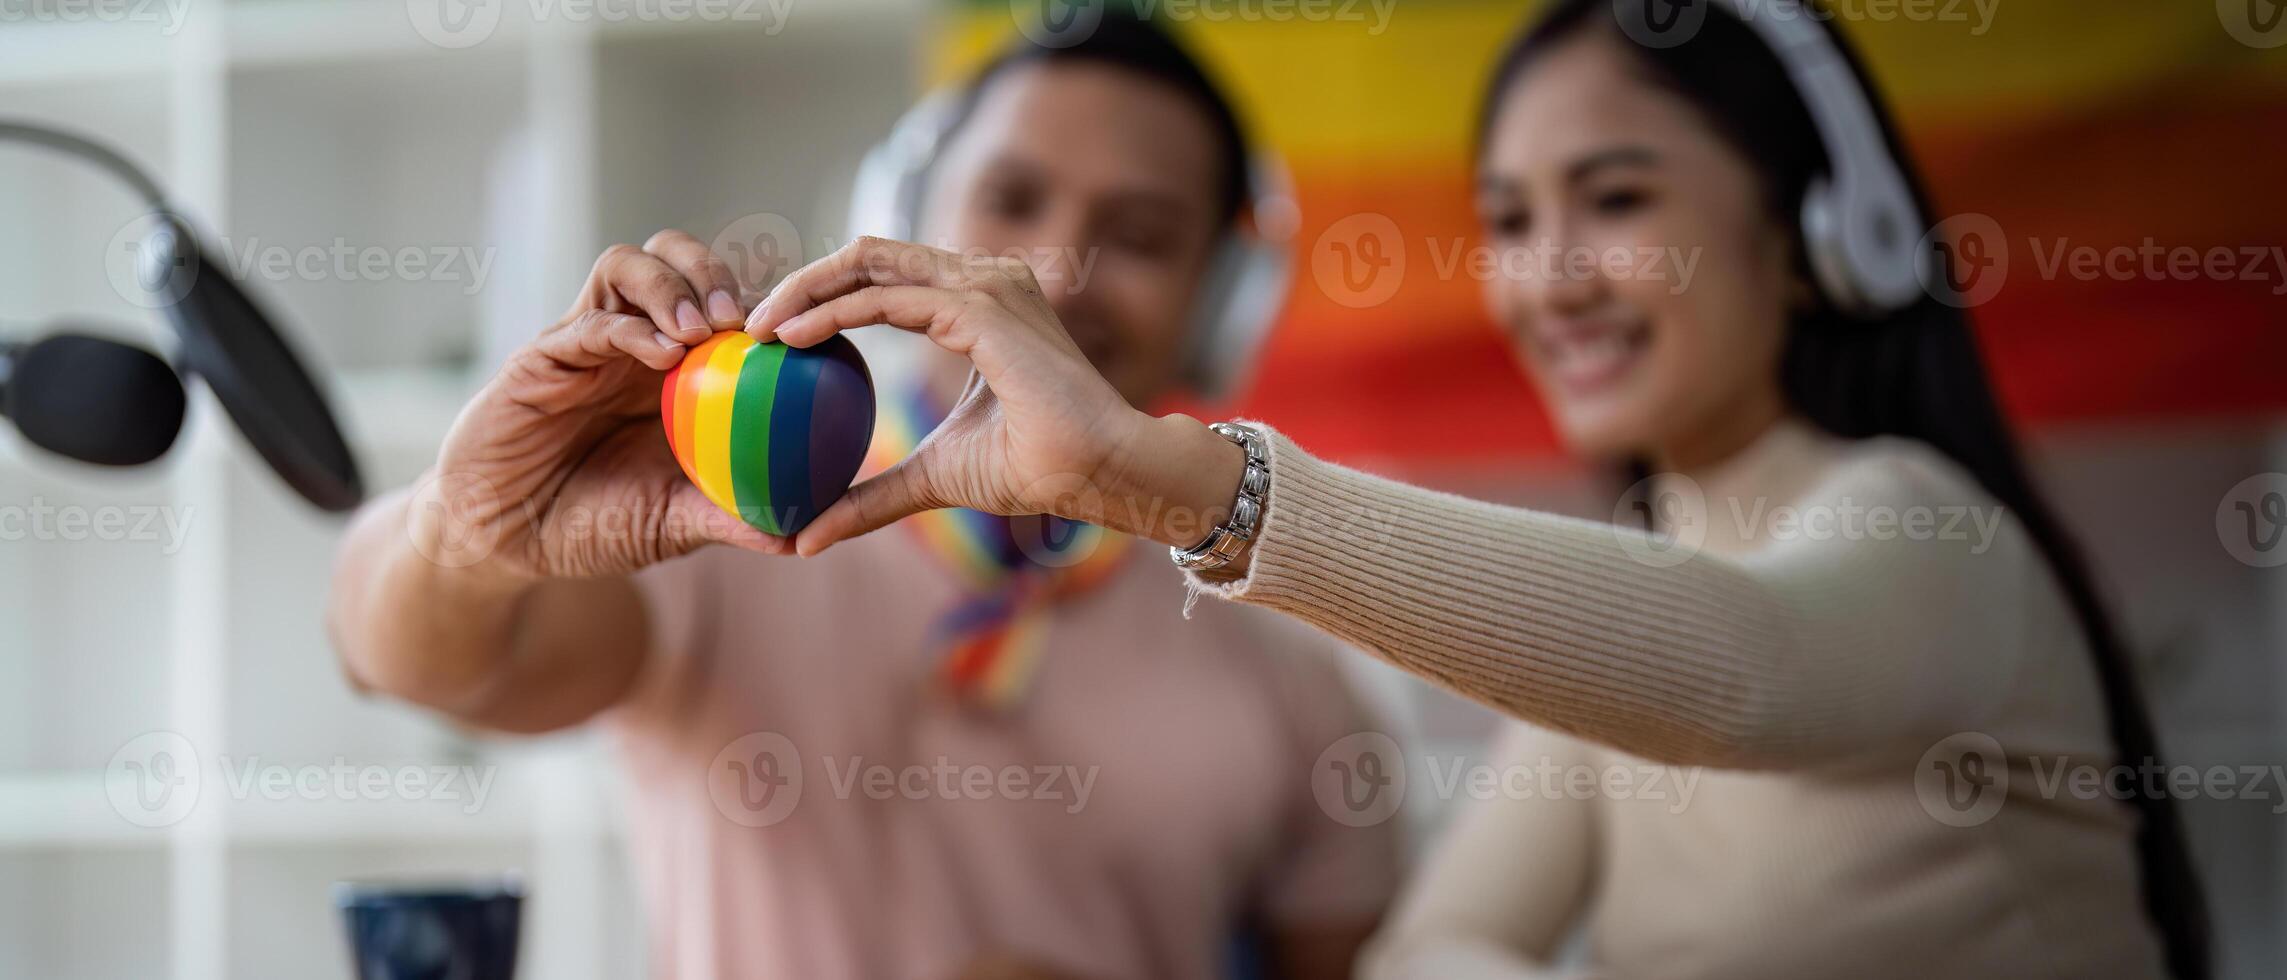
x,y
1160,397
1147,390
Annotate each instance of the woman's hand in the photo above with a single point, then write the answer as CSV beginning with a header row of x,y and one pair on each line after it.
x,y
558,467
1038,431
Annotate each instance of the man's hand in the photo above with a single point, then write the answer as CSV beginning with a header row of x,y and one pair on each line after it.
x,y
496,590
558,467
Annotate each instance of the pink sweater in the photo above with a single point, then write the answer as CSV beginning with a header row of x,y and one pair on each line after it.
x,y
808,803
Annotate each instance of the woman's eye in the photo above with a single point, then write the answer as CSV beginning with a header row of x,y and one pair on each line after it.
x,y
1506,222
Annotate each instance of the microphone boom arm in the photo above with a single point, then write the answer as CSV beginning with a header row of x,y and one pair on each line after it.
x,y
91,151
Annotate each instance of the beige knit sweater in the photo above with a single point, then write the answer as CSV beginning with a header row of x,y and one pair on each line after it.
x,y
1811,631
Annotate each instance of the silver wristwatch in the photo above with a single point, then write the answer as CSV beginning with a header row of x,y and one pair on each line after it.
x,y
1230,539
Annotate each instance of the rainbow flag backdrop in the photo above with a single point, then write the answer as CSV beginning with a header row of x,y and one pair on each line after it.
x,y
2071,125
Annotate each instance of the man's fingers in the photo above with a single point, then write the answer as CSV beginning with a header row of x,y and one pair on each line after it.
x,y
597,337
921,308
710,277
637,279
868,261
890,496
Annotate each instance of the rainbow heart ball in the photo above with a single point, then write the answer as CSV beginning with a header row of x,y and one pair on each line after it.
x,y
773,434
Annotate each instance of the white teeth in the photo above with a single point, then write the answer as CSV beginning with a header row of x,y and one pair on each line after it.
x,y
1593,358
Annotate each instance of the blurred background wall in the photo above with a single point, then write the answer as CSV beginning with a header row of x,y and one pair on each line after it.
x,y
525,135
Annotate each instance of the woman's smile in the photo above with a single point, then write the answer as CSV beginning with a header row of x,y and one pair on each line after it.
x,y
1588,356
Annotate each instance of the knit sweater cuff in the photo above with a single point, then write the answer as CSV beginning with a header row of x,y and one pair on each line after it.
x,y
1317,513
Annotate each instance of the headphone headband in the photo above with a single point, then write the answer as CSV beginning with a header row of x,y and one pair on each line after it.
x,y
1860,222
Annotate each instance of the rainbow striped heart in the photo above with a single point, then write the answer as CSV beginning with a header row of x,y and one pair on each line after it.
x,y
770,433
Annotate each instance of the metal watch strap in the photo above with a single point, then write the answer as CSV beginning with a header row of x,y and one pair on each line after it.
x,y
1230,539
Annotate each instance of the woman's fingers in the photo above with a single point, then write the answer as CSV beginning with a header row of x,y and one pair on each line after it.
x,y
917,288
990,311
890,496
709,276
921,308
865,262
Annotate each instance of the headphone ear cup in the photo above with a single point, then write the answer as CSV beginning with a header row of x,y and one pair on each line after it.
x,y
1871,275
876,196
1823,247
1887,261
1245,288
887,191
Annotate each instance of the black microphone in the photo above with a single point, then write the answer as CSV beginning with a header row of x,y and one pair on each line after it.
x,y
94,400
226,340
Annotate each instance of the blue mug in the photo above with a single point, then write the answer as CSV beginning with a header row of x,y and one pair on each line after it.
x,y
429,931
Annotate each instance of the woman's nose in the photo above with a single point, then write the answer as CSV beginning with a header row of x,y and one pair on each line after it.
x,y
1553,271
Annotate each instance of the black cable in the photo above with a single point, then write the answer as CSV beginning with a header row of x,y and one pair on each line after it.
x,y
89,150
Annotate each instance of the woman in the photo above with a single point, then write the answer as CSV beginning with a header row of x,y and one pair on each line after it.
x,y
1815,669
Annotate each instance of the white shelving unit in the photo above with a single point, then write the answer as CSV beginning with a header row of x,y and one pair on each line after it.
x,y
290,125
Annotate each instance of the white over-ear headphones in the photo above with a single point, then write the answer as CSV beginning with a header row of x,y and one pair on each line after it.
x,y
1247,276
1860,221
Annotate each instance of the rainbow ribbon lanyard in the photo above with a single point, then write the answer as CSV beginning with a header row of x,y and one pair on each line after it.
x,y
993,640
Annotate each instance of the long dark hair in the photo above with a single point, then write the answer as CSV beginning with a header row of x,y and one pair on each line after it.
x,y
1915,373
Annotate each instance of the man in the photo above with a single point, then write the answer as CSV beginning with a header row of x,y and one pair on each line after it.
x,y
1029,764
